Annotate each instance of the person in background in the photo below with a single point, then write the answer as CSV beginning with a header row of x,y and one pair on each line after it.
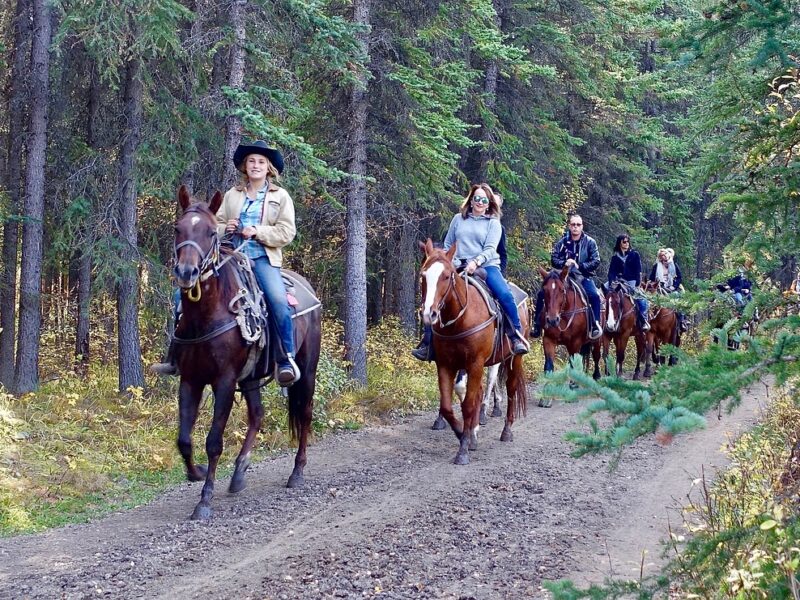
x,y
579,252
626,264
667,274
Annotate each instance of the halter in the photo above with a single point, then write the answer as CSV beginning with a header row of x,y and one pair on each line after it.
x,y
451,287
209,263
623,313
571,314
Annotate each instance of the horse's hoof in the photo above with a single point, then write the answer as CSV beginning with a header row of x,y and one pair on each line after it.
x,y
473,442
482,419
238,483
439,423
545,402
202,512
199,473
296,480
506,436
462,458
496,412
648,372
636,376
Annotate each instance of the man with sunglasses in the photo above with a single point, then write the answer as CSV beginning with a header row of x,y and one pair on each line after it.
x,y
579,252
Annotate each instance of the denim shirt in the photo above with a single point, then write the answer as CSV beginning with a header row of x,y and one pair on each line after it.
x,y
250,217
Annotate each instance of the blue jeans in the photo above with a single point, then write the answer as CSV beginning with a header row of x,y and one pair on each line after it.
x,y
594,296
641,304
501,291
271,283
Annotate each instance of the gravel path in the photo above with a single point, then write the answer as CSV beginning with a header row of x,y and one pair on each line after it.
x,y
384,513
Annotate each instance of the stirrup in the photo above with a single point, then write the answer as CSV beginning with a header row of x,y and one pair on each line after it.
x,y
287,373
422,352
645,326
519,345
596,333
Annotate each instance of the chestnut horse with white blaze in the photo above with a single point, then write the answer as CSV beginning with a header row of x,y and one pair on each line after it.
x,y
464,338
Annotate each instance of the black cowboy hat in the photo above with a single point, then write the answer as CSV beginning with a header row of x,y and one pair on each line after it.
x,y
257,147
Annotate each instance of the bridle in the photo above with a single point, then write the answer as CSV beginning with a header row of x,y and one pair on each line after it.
x,y
561,312
463,305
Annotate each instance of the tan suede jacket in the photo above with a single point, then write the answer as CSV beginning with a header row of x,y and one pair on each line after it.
x,y
277,219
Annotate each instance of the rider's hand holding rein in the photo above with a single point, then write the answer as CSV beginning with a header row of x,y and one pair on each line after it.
x,y
472,266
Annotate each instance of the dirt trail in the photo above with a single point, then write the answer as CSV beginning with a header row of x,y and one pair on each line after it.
x,y
385,513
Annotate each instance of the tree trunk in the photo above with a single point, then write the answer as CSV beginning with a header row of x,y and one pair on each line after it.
x,y
407,253
233,125
16,141
27,372
131,373
84,254
355,322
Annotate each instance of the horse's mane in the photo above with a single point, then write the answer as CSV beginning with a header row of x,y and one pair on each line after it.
x,y
553,274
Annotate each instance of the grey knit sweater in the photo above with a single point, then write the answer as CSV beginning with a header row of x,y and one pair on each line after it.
x,y
476,237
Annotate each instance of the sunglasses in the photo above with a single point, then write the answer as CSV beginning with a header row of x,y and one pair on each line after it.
x,y
480,200
625,242
576,224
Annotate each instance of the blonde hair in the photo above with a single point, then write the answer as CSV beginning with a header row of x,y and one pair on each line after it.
x,y
493,210
244,180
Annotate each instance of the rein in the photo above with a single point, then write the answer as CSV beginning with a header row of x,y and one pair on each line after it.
x,y
209,266
571,314
457,336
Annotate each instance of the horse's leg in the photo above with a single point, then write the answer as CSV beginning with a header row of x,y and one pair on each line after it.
x,y
488,392
515,395
469,410
301,412
640,349
605,351
596,351
676,341
549,348
189,396
223,402
622,344
649,351
446,377
255,413
460,389
496,392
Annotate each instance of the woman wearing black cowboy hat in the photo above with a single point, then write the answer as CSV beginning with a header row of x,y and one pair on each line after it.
x,y
265,214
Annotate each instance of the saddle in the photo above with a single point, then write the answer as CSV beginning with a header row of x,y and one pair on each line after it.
x,y
478,281
252,314
575,283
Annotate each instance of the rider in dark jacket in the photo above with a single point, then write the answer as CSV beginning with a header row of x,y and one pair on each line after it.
x,y
579,251
741,287
626,264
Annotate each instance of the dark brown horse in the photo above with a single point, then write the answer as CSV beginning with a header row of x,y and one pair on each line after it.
x,y
463,338
565,321
664,329
621,325
211,351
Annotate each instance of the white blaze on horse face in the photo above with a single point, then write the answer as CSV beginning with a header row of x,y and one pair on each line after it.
x,y
611,319
431,276
195,220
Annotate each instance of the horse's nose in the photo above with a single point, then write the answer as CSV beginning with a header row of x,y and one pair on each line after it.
x,y
552,321
186,274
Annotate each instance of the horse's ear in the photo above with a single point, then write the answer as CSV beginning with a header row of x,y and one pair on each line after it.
x,y
215,203
426,246
565,273
451,252
184,199
543,273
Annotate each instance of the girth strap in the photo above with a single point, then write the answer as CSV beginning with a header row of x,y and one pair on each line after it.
x,y
218,331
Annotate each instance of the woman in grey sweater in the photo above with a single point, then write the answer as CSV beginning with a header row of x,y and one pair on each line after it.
x,y
476,231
